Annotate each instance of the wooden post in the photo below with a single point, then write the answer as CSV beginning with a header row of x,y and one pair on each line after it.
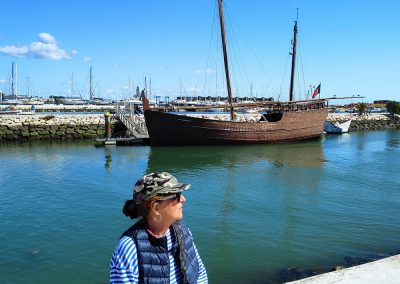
x,y
107,125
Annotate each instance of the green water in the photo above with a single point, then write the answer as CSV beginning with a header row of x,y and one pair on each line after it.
x,y
253,210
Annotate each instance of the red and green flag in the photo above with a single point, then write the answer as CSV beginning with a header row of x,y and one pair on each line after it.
x,y
316,91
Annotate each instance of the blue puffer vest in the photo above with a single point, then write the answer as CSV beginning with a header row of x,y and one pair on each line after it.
x,y
153,260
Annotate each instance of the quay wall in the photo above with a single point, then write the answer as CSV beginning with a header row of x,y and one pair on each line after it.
x,y
51,127
89,126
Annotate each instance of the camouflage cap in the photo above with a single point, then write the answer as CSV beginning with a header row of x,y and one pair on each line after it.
x,y
153,184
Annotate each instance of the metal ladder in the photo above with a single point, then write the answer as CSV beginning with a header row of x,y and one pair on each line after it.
x,y
135,123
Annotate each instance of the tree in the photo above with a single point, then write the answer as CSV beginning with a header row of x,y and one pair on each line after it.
x,y
361,108
393,107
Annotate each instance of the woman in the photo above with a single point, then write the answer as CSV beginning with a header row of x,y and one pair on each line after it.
x,y
159,248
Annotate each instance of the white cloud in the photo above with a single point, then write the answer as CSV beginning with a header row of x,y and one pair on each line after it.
x,y
3,81
47,51
14,50
86,59
47,38
45,48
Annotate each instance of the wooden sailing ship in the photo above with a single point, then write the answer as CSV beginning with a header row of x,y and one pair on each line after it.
x,y
284,121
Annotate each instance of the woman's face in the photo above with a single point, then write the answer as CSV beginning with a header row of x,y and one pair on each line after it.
x,y
171,209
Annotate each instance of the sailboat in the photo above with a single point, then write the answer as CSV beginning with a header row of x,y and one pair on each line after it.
x,y
284,122
71,100
92,98
13,98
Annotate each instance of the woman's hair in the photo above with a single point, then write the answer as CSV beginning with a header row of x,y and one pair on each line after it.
x,y
133,210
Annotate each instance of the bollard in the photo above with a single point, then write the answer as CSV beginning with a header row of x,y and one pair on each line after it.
x,y
107,125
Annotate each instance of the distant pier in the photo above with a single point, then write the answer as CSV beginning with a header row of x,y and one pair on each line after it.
x,y
54,108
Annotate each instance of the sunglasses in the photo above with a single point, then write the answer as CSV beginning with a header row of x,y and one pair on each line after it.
x,y
175,196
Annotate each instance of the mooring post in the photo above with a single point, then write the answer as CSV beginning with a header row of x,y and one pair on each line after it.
x,y
107,125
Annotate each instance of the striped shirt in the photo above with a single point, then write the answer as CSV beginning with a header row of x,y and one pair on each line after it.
x,y
124,263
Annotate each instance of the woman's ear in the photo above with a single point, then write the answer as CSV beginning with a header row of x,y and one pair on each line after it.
x,y
154,206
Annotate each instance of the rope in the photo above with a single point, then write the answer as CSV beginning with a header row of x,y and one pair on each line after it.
x,y
300,60
209,49
283,78
302,70
233,43
255,55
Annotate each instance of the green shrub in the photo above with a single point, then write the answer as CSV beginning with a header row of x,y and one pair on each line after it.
x,y
361,108
393,107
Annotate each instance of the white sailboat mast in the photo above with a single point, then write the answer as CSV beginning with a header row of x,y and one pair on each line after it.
x,y
90,84
72,85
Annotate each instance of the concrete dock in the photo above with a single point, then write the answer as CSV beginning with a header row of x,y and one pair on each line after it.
x,y
382,271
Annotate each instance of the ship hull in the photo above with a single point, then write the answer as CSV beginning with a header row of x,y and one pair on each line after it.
x,y
172,129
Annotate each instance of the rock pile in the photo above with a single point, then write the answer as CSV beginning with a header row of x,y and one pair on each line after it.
x,y
367,121
50,127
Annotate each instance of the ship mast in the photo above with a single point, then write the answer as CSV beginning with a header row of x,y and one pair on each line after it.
x,y
293,58
72,85
14,94
12,80
90,84
228,81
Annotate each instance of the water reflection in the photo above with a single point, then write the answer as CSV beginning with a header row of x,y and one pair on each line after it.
x,y
227,206
299,155
266,172
108,159
393,142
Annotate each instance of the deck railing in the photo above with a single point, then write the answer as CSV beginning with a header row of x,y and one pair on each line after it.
x,y
134,122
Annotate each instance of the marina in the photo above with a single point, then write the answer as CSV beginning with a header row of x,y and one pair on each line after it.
x,y
280,116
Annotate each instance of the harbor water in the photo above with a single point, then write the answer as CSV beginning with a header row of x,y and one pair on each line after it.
x,y
253,210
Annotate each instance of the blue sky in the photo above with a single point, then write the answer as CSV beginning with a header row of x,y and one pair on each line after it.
x,y
349,46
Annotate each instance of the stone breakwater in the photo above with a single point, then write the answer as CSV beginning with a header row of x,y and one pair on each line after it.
x,y
89,126
367,122
50,127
